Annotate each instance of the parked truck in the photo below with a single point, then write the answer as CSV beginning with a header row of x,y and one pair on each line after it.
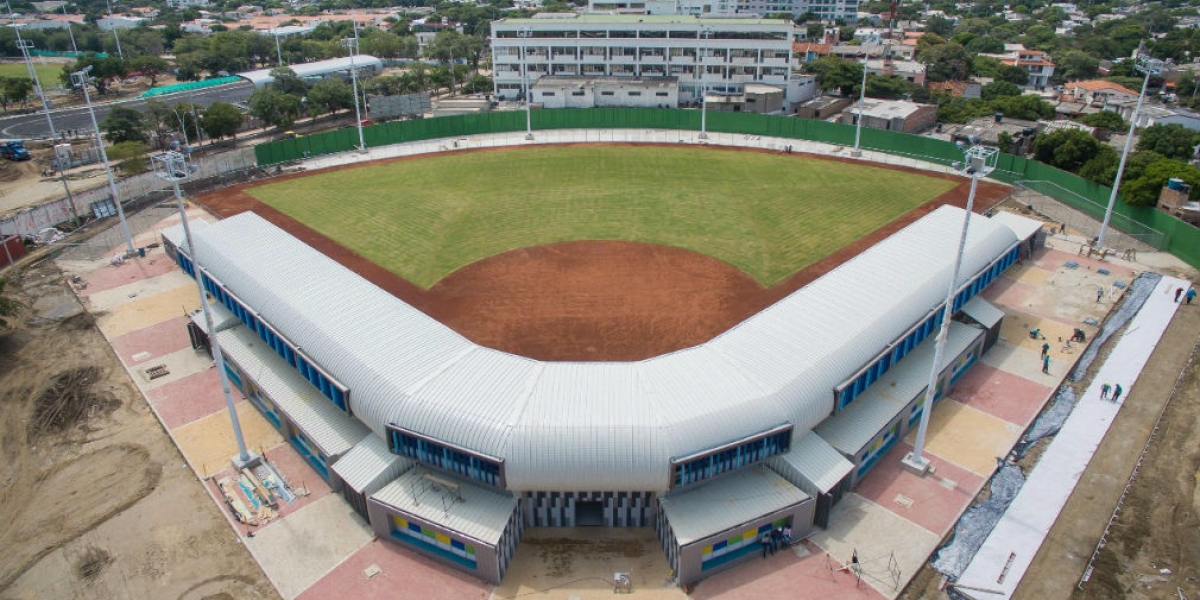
x,y
14,150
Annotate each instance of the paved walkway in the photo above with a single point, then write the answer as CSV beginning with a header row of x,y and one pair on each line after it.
x,y
318,548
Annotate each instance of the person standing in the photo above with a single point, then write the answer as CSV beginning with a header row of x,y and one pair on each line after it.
x,y
1099,294
1045,350
1191,293
1117,393
765,542
1104,389
1178,291
1046,364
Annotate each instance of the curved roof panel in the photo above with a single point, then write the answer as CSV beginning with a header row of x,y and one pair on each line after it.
x,y
606,426
319,68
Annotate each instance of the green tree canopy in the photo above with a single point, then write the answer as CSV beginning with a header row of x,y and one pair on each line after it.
x,y
1067,149
274,107
1144,189
997,89
124,124
330,95
1172,141
104,71
946,62
221,120
1106,119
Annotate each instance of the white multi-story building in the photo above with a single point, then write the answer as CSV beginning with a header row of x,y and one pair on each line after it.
x,y
720,54
829,10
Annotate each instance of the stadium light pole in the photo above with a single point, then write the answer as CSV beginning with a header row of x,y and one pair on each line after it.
x,y
525,33
26,46
701,75
173,167
980,162
81,79
862,96
116,36
1149,66
352,44
278,50
70,30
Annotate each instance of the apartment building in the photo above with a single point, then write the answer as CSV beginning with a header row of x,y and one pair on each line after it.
x,y
721,55
827,10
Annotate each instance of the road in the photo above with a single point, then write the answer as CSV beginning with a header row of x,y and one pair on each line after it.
x,y
33,125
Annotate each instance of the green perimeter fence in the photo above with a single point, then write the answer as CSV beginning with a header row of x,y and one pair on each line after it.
x,y
1155,227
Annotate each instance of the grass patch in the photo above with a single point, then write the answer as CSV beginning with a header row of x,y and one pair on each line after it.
x,y
47,74
769,215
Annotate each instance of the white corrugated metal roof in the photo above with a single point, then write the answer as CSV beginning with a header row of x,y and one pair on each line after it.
x,y
1023,227
982,311
369,465
812,464
333,431
263,77
222,318
859,423
594,426
482,514
727,502
174,233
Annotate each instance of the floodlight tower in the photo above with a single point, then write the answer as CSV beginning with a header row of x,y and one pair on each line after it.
x,y
116,36
525,33
26,46
352,44
1149,66
980,162
173,167
862,96
701,74
81,80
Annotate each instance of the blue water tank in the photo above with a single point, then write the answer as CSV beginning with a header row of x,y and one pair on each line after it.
x,y
1175,183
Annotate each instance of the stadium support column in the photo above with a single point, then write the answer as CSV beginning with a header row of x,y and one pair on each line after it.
x,y
980,162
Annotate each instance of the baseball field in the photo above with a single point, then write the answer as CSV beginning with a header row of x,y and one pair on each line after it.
x,y
768,215
602,252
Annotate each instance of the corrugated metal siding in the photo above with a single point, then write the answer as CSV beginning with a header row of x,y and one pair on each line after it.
x,y
483,514
594,426
728,502
369,465
981,310
812,465
859,423
328,427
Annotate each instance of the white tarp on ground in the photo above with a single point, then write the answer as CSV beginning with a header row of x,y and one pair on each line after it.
x,y
1008,551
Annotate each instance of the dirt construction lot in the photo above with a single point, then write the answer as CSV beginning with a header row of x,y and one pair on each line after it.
x,y
95,501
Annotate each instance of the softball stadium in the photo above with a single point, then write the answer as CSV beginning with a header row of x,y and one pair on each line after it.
x,y
712,341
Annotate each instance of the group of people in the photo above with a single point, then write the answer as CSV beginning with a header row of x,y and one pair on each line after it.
x,y
1189,296
776,539
1115,390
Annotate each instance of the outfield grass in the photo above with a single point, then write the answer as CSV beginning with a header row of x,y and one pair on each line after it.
x,y
768,215
47,74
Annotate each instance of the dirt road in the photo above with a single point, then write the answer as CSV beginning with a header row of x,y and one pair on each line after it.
x,y
95,501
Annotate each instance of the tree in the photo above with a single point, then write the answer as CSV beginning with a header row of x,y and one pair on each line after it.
x,y
160,120
1026,107
15,90
946,62
1102,168
986,44
1171,141
889,87
221,120
834,73
124,124
286,81
939,25
130,156
1074,64
8,306
1004,141
478,84
150,66
997,89
104,71
1146,187
330,95
274,107
1105,119
1067,149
